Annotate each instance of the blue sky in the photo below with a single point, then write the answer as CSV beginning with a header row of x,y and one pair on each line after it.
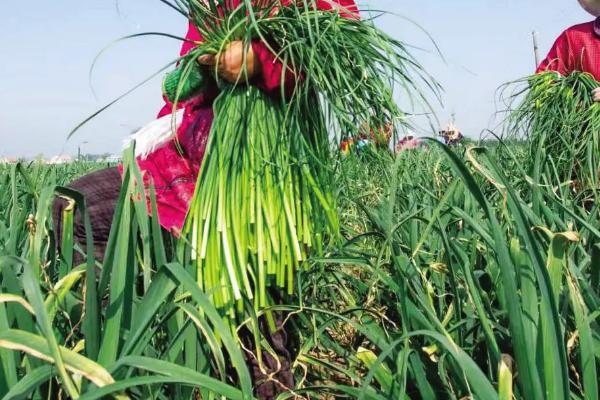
x,y
47,48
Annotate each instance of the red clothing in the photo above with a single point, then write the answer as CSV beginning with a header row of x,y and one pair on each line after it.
x,y
174,174
576,49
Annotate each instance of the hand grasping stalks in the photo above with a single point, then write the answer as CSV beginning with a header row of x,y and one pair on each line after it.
x,y
596,95
235,63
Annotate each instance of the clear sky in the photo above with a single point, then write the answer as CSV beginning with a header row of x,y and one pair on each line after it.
x,y
47,48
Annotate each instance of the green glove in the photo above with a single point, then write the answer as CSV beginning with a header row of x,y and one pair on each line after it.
x,y
196,81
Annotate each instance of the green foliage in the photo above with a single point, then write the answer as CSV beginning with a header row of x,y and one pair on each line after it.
x,y
257,210
462,274
455,283
449,284
123,328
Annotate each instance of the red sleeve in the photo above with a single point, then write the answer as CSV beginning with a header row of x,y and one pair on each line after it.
x,y
271,70
347,8
559,59
192,36
269,77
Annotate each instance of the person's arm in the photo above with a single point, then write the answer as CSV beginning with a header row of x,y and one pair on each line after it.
x,y
262,67
197,78
269,70
268,76
172,78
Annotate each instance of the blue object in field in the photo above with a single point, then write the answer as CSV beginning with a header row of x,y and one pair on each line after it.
x,y
362,143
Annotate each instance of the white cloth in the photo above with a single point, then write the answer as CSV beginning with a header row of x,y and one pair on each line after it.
x,y
155,135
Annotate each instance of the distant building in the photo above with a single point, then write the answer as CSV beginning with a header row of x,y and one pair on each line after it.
x,y
61,159
113,159
8,160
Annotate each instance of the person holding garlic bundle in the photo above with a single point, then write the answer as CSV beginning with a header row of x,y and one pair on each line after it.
x,y
577,48
170,159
